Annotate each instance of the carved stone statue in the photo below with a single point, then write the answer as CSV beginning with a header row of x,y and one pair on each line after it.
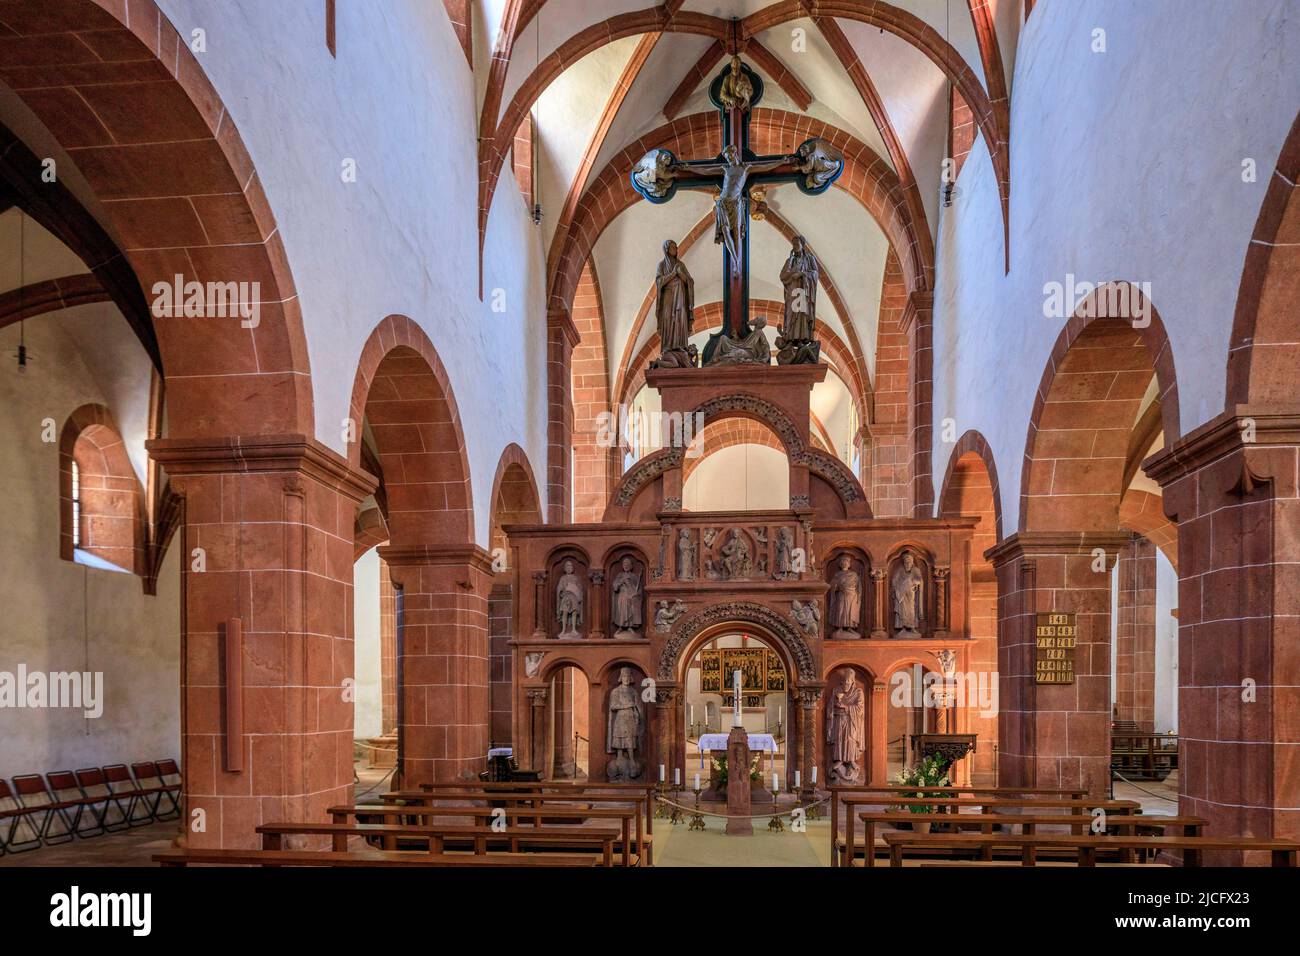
x,y
730,216
685,556
819,161
907,590
569,598
844,605
625,595
844,729
796,344
654,172
674,311
736,560
807,615
624,729
736,90
666,615
784,554
751,350
533,663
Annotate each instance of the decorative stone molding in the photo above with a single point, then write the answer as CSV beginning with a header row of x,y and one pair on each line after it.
x,y
646,471
740,611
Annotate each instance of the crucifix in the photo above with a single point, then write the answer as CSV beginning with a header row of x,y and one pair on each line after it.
x,y
813,167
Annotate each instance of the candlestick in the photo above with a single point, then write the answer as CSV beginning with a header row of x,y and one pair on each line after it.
x,y
697,818
775,824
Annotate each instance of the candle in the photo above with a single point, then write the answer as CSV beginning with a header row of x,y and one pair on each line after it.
x,y
796,779
661,773
697,781
814,775
691,710
780,713
677,776
774,786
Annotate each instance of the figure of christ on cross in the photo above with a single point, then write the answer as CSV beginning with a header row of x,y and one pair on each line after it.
x,y
813,167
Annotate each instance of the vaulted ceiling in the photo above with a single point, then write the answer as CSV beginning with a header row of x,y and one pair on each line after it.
x,y
597,78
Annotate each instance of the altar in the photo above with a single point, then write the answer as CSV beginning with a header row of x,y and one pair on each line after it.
x,y
761,743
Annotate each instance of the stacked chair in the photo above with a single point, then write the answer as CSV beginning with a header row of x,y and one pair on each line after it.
x,y
62,805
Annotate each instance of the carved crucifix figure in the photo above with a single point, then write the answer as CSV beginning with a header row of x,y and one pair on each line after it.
x,y
812,167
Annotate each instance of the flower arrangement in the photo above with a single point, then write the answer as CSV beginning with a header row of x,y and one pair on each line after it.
x,y
720,771
928,773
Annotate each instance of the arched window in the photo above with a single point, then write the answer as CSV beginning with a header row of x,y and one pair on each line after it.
x,y
101,503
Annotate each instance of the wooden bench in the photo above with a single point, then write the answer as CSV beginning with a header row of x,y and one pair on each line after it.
x,y
444,838
953,805
1283,852
567,798
840,792
494,790
191,857
1119,823
483,816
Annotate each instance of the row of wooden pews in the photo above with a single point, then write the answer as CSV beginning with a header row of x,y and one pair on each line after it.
x,y
548,824
968,825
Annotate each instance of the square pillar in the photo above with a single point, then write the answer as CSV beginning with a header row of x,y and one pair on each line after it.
x,y
1135,635
1231,485
443,660
267,538
1054,735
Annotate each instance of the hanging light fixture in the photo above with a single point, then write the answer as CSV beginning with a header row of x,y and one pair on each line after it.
x,y
21,354
536,137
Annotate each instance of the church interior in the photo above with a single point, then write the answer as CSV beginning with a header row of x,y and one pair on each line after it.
x,y
467,433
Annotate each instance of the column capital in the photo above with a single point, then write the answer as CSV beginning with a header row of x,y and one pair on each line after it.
x,y
1223,435
262,454
1027,544
426,555
917,304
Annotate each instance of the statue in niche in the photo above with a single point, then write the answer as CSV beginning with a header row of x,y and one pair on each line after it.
x,y
674,311
807,615
907,589
569,598
666,615
737,89
844,606
784,554
844,729
624,729
795,342
685,556
625,593
751,350
736,560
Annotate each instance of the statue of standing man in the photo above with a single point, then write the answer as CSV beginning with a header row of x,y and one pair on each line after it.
x,y
844,729
674,310
569,598
907,590
624,730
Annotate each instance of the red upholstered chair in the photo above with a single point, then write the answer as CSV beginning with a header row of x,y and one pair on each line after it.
x,y
110,809
150,783
119,780
63,784
21,827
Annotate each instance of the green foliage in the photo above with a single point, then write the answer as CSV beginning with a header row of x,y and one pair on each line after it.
x,y
928,773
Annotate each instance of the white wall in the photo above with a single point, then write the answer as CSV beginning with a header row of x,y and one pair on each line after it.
x,y
1125,165
61,616
369,701
399,100
739,478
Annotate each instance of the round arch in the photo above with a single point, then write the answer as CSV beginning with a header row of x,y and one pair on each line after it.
x,y
699,627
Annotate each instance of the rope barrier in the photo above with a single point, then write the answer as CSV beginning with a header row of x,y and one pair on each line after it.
x,y
741,816
1149,793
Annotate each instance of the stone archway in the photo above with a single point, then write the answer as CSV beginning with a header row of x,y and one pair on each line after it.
x,y
736,612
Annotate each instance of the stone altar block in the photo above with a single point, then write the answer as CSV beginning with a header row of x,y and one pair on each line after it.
x,y
738,796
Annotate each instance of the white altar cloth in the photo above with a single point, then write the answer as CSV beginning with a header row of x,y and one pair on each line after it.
x,y
765,742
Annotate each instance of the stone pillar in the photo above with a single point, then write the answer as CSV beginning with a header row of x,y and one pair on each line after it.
x,y
1054,735
738,792
807,697
941,601
597,608
561,337
879,604
916,324
501,661
665,697
1135,634
266,538
387,650
1231,485
537,702
445,692
539,605
564,764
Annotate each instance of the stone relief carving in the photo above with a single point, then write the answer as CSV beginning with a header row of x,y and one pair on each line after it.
x,y
784,554
533,663
732,611
736,559
685,556
569,599
666,615
807,615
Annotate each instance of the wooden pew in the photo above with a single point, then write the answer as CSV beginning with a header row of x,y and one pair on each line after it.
x,y
385,858
483,816
436,837
839,792
517,798
984,804
1120,824
1283,851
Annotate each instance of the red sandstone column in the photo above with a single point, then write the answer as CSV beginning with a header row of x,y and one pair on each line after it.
x,y
1054,735
916,323
807,697
501,663
537,702
387,650
267,538
563,765
1135,634
1232,487
561,337
444,659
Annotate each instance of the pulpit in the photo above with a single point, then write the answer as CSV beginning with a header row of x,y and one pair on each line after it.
x,y
949,748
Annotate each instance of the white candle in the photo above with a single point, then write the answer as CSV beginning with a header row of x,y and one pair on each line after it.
x,y
690,708
736,700
814,775
780,713
796,779
774,786
697,781
677,776
661,773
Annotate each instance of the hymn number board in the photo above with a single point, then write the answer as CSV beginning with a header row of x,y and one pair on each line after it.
x,y
1055,637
